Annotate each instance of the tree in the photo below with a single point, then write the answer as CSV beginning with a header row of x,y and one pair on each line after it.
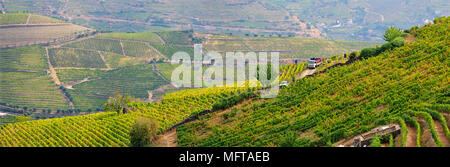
x,y
118,103
144,132
392,33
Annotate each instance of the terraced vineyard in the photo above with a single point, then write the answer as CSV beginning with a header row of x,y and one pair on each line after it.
x,y
398,86
20,30
288,47
108,129
290,72
133,80
24,81
70,57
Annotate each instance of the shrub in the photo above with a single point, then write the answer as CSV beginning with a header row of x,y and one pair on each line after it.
x,y
144,132
352,55
383,48
398,42
118,103
368,52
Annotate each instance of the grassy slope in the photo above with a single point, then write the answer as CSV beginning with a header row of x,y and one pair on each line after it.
x,y
289,47
24,82
340,103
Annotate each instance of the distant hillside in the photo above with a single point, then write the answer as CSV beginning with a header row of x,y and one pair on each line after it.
x,y
19,30
407,85
350,20
25,18
289,47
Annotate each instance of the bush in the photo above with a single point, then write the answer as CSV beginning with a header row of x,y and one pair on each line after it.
x,y
144,132
118,103
398,42
368,52
352,56
383,48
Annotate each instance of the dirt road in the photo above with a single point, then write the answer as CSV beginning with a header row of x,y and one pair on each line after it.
x,y
168,139
305,73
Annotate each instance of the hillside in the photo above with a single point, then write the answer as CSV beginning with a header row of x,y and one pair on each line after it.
x,y
353,20
407,84
289,47
20,30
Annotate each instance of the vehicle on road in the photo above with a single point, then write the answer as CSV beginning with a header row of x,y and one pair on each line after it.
x,y
314,63
284,84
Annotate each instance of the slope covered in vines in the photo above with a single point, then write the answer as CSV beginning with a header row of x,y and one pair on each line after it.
x,y
407,83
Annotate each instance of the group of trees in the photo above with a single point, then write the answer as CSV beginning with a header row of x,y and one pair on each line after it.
x,y
394,38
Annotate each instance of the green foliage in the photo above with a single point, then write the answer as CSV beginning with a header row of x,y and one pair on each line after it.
x,y
13,18
70,57
144,132
429,119
368,52
391,141
404,130
398,42
416,124
375,142
392,33
176,37
231,101
118,103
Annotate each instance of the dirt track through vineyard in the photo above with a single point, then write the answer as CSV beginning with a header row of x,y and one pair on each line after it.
x,y
441,133
411,137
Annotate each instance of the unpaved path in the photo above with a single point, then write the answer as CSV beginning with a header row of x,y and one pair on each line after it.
x,y
305,73
103,59
28,19
69,85
168,139
56,79
123,50
52,70
411,137
441,133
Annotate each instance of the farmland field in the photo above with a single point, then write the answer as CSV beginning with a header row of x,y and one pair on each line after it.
x,y
66,75
23,36
166,69
176,37
98,45
139,49
70,57
119,60
149,37
288,47
24,81
29,58
132,80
